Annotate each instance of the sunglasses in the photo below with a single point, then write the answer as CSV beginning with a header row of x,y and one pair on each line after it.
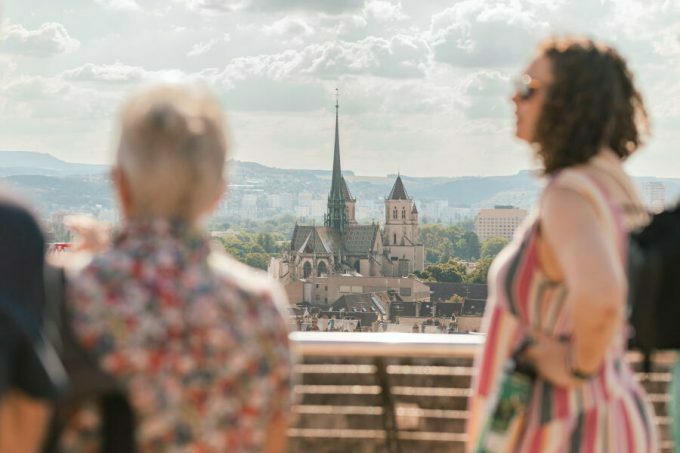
x,y
526,86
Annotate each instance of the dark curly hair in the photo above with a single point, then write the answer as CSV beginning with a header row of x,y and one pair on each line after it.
x,y
592,103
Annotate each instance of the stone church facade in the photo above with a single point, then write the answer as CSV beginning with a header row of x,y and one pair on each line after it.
x,y
342,246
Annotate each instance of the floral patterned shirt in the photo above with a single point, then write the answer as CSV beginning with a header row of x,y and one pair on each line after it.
x,y
199,340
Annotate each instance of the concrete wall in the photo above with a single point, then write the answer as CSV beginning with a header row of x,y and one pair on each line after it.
x,y
469,323
294,291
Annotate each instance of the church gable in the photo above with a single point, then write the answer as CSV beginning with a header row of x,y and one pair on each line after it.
x,y
311,240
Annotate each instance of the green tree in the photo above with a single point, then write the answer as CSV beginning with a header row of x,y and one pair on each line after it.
x,y
452,271
258,260
467,247
467,225
266,241
445,242
456,298
492,246
481,271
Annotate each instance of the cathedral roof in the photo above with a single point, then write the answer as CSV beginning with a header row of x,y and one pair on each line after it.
x,y
414,210
311,239
398,191
357,240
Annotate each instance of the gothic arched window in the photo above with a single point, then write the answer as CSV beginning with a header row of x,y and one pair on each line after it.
x,y
395,239
307,269
394,213
403,213
321,268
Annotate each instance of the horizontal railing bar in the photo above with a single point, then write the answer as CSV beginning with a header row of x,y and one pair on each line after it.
x,y
316,409
332,368
337,433
430,413
400,344
338,389
653,377
432,436
374,434
385,344
431,391
429,370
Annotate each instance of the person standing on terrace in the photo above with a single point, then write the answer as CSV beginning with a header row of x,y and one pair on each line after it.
x,y
558,290
199,340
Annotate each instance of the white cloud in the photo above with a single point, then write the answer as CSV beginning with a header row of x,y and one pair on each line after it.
x,y
120,5
119,73
417,78
486,94
51,38
401,56
214,7
667,44
39,97
289,27
26,88
112,73
201,48
385,10
484,34
324,6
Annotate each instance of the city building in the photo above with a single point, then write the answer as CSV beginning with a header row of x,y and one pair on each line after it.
x,y
501,221
342,246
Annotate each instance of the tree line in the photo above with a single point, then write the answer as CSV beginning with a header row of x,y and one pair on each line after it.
x,y
254,249
453,253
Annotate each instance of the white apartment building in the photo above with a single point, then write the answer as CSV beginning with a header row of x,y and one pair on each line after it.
x,y
501,221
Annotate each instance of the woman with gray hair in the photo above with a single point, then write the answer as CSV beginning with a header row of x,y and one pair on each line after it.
x,y
198,339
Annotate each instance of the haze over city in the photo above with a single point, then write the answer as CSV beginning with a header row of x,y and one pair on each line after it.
x,y
420,82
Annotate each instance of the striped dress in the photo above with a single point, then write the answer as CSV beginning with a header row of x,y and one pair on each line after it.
x,y
609,412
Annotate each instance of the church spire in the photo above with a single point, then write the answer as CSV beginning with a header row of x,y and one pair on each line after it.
x,y
336,217
337,171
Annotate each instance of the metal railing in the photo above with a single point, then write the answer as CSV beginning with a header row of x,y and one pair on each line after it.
x,y
402,392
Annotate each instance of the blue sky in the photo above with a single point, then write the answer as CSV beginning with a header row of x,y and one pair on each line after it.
x,y
424,85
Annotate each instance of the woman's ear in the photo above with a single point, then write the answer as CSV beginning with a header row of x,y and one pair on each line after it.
x,y
123,192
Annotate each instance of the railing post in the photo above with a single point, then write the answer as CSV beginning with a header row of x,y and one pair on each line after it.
x,y
389,411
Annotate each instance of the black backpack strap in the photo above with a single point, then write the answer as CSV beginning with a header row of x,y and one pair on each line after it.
x,y
118,425
88,382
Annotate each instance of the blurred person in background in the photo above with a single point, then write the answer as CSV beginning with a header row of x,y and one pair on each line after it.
x,y
30,373
198,339
557,300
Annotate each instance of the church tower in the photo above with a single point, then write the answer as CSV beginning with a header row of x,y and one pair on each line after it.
x,y
402,231
341,204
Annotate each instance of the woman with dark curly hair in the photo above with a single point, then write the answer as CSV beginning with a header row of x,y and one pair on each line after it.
x,y
556,307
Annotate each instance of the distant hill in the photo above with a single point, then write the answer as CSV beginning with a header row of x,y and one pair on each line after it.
x,y
55,185
31,163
